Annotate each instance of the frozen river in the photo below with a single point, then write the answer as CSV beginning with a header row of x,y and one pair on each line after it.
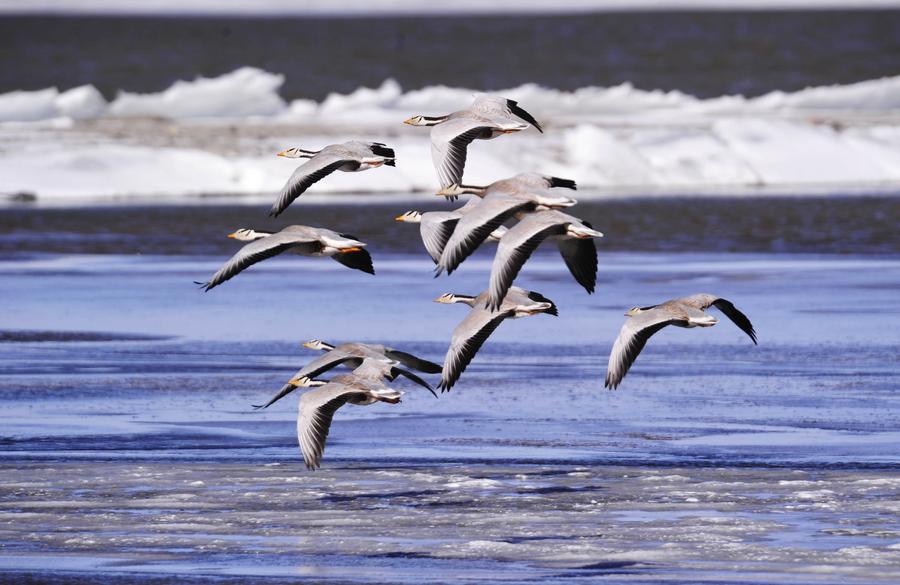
x,y
129,447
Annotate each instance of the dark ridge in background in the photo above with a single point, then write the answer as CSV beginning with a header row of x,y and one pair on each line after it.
x,y
848,225
705,54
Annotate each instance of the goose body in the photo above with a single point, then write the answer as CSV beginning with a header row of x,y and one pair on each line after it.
x,y
573,237
436,227
642,323
473,331
487,118
353,354
300,239
500,201
364,386
351,157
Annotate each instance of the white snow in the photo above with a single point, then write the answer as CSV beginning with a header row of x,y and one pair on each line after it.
x,y
831,139
241,93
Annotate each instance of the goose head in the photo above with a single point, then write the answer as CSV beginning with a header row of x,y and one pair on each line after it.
x,y
418,120
247,235
295,152
450,298
409,217
306,382
318,344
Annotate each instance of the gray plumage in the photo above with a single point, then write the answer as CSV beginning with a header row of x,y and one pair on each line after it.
x,y
350,157
487,118
364,386
642,323
501,201
352,355
575,245
300,239
473,331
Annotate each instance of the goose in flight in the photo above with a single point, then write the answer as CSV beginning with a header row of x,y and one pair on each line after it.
x,y
436,227
520,181
573,236
487,117
352,355
364,386
500,201
304,240
350,157
643,322
473,331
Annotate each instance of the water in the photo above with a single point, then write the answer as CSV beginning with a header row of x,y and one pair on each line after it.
x,y
130,451
705,54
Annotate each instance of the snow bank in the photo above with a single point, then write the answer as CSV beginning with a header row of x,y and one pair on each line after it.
x,y
837,137
251,92
241,93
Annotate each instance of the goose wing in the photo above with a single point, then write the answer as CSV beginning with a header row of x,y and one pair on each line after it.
x,y
317,408
580,256
631,340
318,366
507,108
262,249
411,361
475,226
318,167
358,260
467,339
703,301
376,370
436,228
449,141
397,371
516,246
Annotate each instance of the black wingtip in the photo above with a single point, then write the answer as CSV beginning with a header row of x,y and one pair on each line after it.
x,y
391,163
520,112
379,149
564,183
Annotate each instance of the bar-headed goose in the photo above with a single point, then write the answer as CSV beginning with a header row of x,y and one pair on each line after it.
x,y
473,331
643,322
301,239
351,157
487,117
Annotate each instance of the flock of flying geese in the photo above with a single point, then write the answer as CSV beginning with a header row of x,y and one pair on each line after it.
x,y
449,238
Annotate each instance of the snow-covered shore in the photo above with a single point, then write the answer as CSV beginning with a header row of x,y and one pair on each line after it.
x,y
219,136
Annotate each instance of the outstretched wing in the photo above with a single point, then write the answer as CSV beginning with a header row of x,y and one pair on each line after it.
x,y
496,105
395,371
467,339
313,170
317,408
631,340
436,231
737,317
358,260
703,301
261,250
411,361
580,256
449,141
318,366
